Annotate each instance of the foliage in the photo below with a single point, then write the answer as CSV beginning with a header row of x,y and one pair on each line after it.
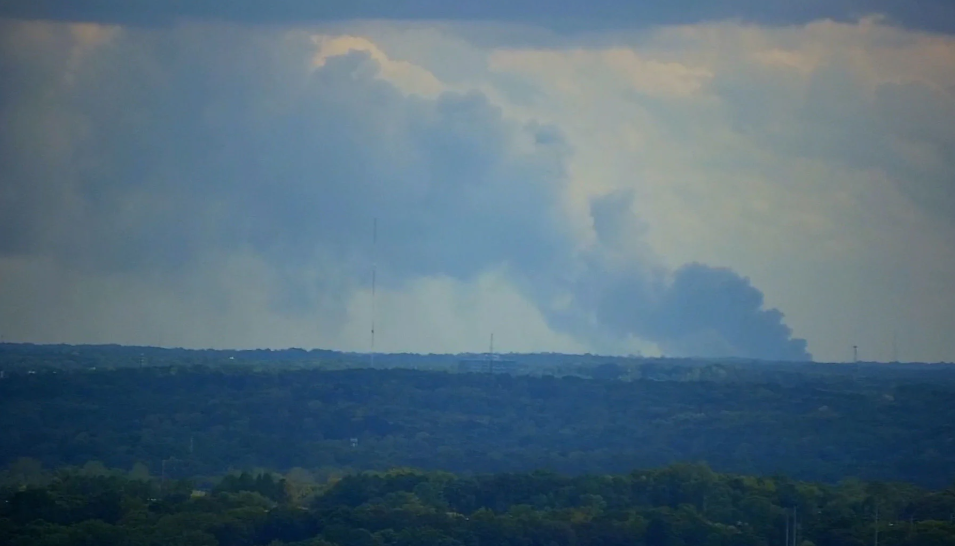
x,y
677,505
198,421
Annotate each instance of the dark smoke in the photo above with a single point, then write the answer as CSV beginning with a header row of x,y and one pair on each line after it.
x,y
182,147
697,310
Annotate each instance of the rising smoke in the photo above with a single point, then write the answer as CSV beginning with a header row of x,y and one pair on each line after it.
x,y
697,310
166,150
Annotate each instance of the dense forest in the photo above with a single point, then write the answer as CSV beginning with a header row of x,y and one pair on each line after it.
x,y
205,419
675,506
136,446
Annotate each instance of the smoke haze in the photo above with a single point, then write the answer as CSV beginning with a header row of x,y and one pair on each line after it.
x,y
212,184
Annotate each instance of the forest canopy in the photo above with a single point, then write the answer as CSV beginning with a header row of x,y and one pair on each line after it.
x,y
205,413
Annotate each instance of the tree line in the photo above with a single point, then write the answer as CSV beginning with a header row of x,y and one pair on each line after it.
x,y
195,421
678,505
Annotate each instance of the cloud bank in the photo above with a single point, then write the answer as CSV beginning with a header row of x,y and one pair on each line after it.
x,y
665,189
170,182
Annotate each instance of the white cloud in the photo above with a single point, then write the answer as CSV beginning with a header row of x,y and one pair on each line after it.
x,y
442,314
408,77
576,72
229,303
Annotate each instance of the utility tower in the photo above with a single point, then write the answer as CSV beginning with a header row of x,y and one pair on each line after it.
x,y
374,274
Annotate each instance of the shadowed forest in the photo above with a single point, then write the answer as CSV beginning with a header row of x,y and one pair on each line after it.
x,y
120,445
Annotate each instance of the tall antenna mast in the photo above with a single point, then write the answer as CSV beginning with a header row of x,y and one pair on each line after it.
x,y
490,356
895,347
795,524
374,272
875,539
787,528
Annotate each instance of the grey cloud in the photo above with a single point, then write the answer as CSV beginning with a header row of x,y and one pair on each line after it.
x,y
920,115
346,148
196,141
563,15
612,217
838,120
186,146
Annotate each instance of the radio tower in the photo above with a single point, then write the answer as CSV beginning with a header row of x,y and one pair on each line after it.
x,y
374,271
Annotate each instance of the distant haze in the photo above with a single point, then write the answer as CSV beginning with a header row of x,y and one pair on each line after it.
x,y
676,184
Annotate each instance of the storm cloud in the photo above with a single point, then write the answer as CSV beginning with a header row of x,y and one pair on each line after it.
x,y
565,15
175,156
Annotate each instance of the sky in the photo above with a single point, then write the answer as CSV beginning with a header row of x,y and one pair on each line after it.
x,y
713,179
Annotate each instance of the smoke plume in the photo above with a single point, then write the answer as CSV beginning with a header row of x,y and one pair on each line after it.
x,y
166,154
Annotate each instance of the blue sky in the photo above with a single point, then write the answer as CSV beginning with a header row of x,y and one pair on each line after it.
x,y
738,178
